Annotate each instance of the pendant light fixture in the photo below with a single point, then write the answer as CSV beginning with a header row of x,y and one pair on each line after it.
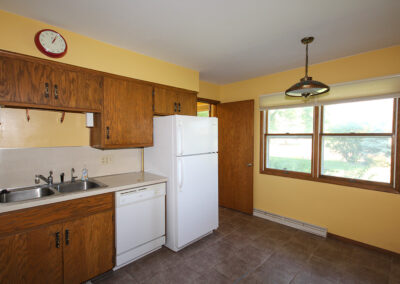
x,y
307,86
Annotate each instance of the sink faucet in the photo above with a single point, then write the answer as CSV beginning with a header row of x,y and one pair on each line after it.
x,y
73,178
48,180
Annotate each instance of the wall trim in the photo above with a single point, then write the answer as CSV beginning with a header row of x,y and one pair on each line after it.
x,y
361,244
303,226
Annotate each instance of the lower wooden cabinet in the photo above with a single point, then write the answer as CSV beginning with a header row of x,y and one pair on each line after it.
x,y
32,257
71,251
88,247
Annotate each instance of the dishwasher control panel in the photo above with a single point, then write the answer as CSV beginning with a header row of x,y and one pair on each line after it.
x,y
139,194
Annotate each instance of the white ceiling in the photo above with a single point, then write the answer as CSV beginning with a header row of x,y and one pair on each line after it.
x,y
226,40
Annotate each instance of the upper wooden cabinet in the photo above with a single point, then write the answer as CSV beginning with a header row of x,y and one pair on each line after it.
x,y
127,117
169,101
37,83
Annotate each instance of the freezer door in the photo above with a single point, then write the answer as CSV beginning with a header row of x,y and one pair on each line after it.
x,y
196,135
197,197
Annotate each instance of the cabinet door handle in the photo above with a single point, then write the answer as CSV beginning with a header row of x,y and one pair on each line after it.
x,y
66,237
46,90
179,107
175,107
108,132
56,92
58,240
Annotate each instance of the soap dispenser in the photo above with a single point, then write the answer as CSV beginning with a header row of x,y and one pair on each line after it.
x,y
85,174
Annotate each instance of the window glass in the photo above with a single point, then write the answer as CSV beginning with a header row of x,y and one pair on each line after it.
x,y
291,120
374,116
357,157
289,153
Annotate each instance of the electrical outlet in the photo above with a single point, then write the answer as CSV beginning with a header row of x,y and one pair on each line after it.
x,y
106,159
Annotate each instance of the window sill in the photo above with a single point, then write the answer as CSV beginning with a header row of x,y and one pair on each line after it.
x,y
332,180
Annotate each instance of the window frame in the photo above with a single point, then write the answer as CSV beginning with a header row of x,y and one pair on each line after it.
x,y
316,158
293,173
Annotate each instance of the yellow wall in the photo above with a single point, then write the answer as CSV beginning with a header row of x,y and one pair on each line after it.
x,y
209,91
367,216
17,34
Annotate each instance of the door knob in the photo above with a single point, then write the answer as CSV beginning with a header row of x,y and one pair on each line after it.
x,y
250,164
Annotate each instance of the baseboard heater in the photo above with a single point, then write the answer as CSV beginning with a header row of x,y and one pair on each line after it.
x,y
316,230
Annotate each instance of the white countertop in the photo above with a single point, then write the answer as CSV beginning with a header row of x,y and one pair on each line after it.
x,y
114,182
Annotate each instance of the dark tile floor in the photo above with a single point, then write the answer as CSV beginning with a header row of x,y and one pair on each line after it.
x,y
248,249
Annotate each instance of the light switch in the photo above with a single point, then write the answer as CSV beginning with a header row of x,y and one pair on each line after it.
x,y
89,119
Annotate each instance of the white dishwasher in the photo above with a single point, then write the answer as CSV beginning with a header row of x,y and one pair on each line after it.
x,y
139,222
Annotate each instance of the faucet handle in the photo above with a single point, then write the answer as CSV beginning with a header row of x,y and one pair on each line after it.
x,y
37,179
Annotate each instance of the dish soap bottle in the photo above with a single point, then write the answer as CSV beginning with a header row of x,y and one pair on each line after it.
x,y
85,174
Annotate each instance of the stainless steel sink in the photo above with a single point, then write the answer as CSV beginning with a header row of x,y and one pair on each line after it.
x,y
79,185
26,193
34,192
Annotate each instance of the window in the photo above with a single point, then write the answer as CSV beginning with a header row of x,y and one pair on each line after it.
x,y
289,139
207,107
351,143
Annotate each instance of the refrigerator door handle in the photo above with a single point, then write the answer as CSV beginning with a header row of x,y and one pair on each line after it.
x,y
180,138
180,174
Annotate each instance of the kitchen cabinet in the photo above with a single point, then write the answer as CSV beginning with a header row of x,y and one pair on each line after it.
x,y
168,101
79,90
36,83
88,247
32,257
127,117
65,242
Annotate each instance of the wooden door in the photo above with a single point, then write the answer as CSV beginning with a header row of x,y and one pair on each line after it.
x,y
128,115
235,152
32,257
88,247
187,103
165,102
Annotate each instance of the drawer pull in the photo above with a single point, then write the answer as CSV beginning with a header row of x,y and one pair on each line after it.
x,y
46,90
66,237
58,240
56,92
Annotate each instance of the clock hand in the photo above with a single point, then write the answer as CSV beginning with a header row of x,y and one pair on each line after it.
x,y
54,39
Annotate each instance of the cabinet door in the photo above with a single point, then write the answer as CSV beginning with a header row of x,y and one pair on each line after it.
x,y
93,95
165,102
32,257
187,103
78,89
35,82
128,116
8,80
88,247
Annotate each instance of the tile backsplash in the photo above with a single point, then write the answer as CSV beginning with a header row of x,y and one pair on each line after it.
x,y
18,166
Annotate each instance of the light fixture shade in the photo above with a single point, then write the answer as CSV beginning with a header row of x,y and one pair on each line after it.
x,y
307,87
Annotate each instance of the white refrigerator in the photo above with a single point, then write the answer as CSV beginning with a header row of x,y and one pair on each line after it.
x,y
186,151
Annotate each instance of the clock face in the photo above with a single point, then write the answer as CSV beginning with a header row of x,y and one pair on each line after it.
x,y
51,43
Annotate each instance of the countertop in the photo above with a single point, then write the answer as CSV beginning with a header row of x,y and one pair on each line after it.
x,y
115,183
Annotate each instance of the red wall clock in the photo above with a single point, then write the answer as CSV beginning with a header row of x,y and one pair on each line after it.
x,y
51,43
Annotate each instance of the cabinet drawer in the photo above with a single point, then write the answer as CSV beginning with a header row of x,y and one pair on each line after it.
x,y
25,219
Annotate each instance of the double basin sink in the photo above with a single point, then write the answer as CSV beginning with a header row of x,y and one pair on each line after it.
x,y
34,192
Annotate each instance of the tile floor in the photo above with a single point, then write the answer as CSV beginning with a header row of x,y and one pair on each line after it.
x,y
248,249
